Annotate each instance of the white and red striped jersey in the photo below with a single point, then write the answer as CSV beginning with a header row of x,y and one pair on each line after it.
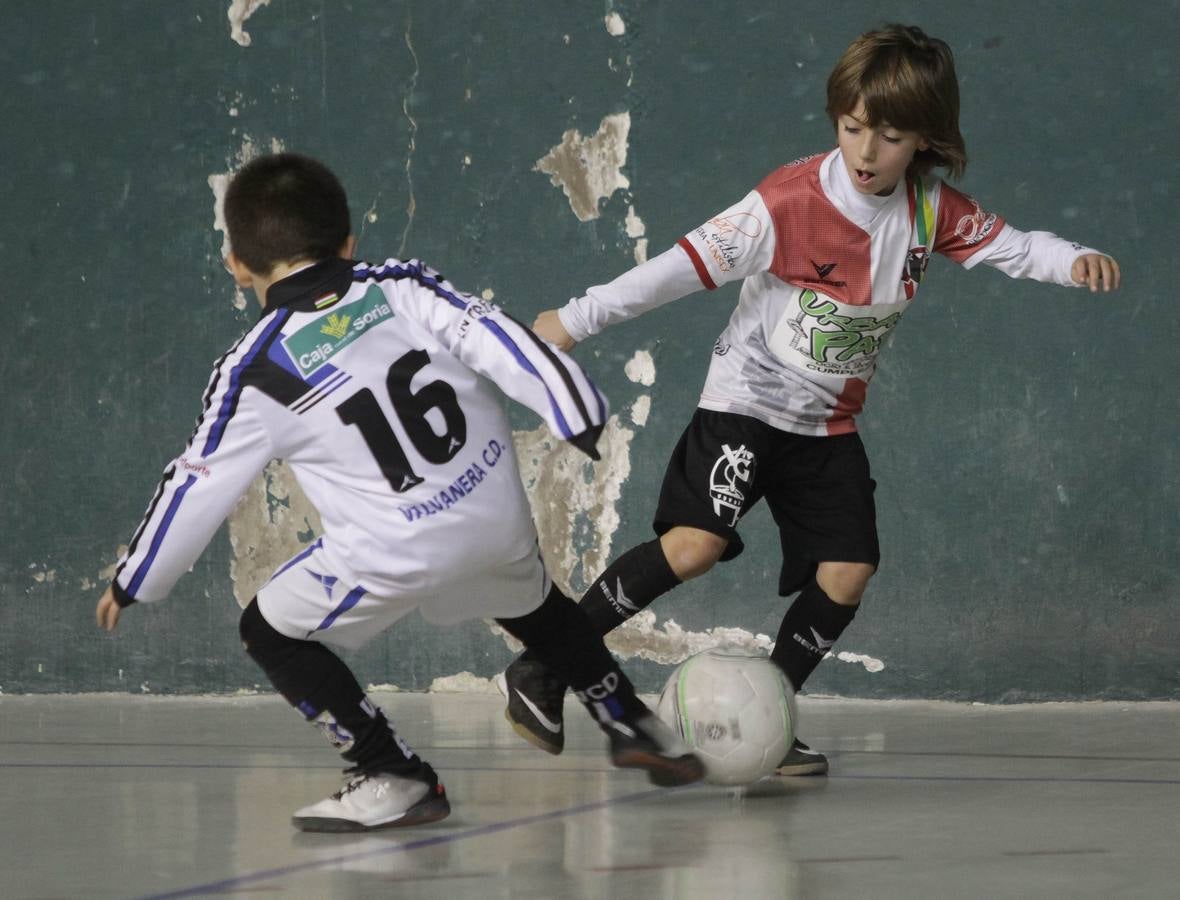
x,y
827,272
372,383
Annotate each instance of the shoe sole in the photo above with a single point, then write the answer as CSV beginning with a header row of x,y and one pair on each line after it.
x,y
807,768
421,813
662,771
532,737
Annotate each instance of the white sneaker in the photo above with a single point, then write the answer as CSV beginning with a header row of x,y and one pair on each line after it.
x,y
369,802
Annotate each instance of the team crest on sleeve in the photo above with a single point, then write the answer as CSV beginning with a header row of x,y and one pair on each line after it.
x,y
732,474
726,237
976,225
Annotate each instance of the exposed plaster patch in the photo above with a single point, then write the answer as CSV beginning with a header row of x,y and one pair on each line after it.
x,y
239,12
105,575
463,683
574,499
272,522
870,664
641,368
589,169
636,230
615,26
218,184
669,644
641,409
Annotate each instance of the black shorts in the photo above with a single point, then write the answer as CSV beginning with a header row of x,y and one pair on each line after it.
x,y
818,490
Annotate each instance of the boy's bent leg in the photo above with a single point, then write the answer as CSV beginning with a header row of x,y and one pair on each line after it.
x,y
814,622
810,628
560,638
391,785
535,692
633,581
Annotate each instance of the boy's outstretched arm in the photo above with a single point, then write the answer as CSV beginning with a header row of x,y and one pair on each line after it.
x,y
1097,271
660,280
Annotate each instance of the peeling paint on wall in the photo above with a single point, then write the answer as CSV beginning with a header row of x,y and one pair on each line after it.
x,y
870,664
463,683
272,522
239,12
107,574
589,169
218,184
641,409
636,230
671,644
641,368
574,499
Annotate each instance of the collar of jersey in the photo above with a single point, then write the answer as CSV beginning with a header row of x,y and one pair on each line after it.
x,y
300,290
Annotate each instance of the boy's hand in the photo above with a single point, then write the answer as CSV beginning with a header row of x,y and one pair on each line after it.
x,y
108,611
1095,270
548,326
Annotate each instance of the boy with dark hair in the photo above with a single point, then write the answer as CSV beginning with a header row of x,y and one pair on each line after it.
x,y
831,250
366,380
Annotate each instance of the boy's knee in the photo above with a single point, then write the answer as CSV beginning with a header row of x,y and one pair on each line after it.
x,y
844,582
690,551
262,643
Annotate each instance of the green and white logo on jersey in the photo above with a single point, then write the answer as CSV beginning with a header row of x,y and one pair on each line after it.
x,y
820,335
313,345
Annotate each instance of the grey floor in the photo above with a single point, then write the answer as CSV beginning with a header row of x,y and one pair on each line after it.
x,y
105,796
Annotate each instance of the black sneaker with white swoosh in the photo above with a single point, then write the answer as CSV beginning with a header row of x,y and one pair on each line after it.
x,y
536,701
802,760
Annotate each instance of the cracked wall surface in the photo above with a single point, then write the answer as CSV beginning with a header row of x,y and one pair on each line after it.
x,y
531,152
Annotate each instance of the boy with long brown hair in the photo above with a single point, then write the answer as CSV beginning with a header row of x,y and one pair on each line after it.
x,y
831,250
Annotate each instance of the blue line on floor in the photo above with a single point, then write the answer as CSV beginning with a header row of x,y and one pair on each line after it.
x,y
228,884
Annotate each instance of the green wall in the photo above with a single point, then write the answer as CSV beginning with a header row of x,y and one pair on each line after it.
x,y
1024,437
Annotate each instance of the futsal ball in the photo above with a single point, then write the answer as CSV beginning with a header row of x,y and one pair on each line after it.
x,y
736,710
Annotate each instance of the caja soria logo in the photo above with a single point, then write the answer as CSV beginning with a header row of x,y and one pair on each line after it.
x,y
336,326
313,345
732,468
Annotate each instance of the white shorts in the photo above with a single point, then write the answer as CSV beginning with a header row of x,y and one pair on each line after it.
x,y
305,601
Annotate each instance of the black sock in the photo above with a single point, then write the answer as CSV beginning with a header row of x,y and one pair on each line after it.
x,y
628,585
559,635
316,682
810,627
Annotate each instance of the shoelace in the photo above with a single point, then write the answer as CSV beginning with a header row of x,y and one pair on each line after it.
x,y
352,785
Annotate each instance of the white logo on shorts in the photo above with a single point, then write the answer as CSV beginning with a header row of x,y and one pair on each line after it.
x,y
732,466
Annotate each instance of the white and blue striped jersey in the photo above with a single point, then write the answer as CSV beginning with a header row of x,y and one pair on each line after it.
x,y
372,383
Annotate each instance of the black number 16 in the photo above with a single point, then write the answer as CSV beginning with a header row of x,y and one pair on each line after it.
x,y
363,411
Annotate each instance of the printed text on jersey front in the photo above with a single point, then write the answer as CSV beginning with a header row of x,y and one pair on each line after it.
x,y
824,336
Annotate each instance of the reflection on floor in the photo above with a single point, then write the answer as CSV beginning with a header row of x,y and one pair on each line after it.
x,y
113,796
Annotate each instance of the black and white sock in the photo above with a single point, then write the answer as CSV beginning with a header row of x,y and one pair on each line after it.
x,y
809,629
559,635
316,682
628,585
